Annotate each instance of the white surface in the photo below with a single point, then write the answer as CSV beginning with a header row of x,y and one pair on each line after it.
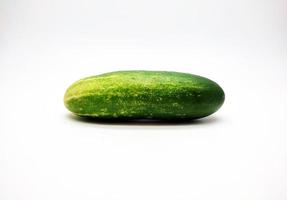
x,y
240,152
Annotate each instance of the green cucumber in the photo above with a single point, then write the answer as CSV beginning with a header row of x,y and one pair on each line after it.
x,y
162,95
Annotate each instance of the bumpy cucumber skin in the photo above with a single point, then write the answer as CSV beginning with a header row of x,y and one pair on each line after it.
x,y
160,95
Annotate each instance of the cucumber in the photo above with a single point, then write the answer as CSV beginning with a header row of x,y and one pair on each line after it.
x,y
160,95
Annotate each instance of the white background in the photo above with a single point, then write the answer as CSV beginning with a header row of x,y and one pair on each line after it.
x,y
240,152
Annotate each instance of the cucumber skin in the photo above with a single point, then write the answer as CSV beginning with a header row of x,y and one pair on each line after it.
x,y
161,95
